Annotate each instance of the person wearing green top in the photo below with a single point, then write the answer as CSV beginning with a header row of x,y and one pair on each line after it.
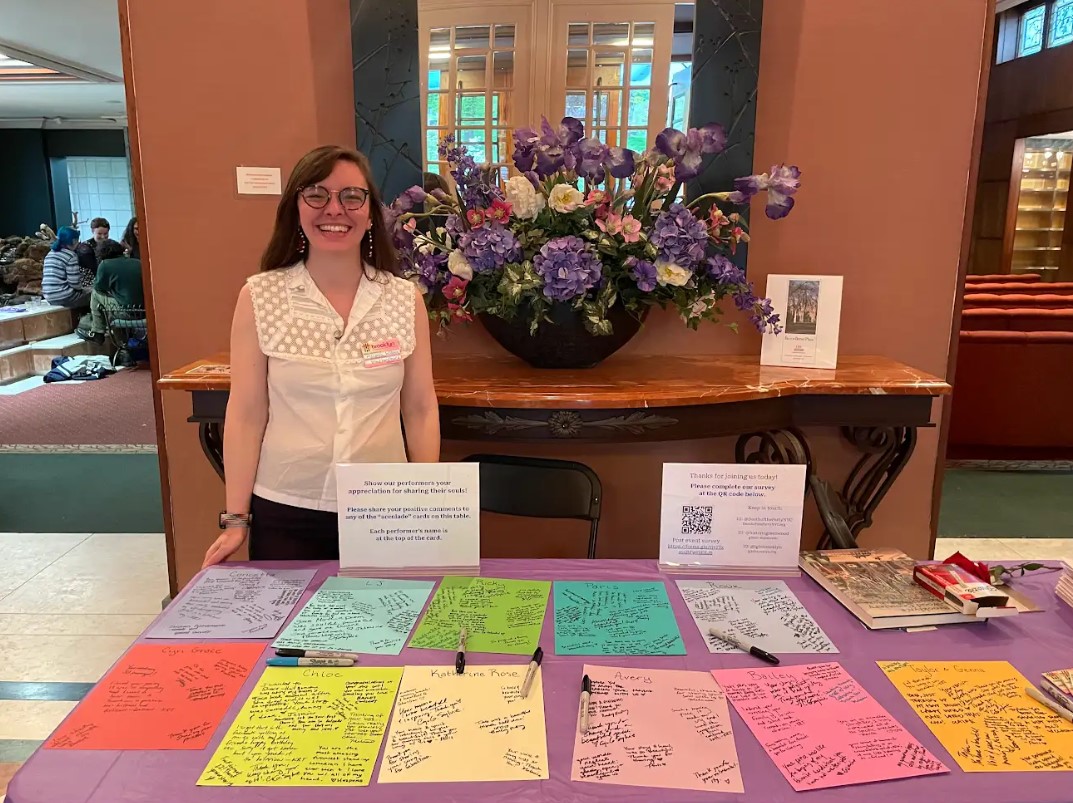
x,y
118,286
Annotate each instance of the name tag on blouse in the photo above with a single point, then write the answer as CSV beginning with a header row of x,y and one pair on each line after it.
x,y
381,353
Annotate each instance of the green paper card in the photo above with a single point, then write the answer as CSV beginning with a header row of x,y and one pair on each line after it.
x,y
501,616
628,618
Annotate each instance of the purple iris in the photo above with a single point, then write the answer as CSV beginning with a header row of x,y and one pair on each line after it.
x,y
568,267
688,149
643,272
549,150
594,158
410,198
489,247
781,184
723,271
679,236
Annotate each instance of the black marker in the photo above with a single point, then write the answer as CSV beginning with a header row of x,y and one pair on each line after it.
x,y
460,659
744,646
538,656
586,692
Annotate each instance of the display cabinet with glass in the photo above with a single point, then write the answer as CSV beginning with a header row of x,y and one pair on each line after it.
x,y
1041,205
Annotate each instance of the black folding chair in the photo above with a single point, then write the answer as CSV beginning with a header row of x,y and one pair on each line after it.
x,y
541,488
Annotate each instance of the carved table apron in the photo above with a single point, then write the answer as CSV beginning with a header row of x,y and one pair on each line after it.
x,y
877,405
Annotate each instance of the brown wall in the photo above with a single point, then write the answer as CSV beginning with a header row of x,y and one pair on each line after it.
x,y
1026,97
881,137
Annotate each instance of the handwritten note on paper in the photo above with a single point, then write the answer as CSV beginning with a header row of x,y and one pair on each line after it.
x,y
763,611
980,713
628,618
358,615
470,727
821,728
657,727
234,603
503,616
316,726
159,697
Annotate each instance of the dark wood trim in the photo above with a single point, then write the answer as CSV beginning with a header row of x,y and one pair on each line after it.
x,y
986,60
145,237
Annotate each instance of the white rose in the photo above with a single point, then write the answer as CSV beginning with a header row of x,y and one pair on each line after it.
x,y
426,246
459,265
672,274
565,198
524,200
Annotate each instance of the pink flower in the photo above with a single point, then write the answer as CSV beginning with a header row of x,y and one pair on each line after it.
x,y
455,290
499,211
410,225
631,229
612,224
458,312
475,217
664,177
596,198
717,218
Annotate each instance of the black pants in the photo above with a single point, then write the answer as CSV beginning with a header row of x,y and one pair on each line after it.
x,y
283,532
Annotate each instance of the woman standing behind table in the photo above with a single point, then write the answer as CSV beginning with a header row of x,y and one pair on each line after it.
x,y
328,347
130,239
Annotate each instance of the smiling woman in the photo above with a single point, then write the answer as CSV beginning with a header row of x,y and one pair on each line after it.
x,y
330,355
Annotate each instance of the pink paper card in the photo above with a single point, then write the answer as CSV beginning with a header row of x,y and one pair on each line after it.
x,y
657,727
821,728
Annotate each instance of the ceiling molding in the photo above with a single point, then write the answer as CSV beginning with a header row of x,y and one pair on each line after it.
x,y
63,123
1006,5
77,71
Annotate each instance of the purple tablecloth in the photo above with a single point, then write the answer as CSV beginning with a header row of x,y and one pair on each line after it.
x,y
1033,643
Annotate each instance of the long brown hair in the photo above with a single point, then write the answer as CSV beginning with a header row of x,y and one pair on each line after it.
x,y
285,247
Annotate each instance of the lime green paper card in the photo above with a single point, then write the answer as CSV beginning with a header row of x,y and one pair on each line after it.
x,y
500,616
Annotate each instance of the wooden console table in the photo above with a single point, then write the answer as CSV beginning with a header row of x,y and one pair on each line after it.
x,y
878,405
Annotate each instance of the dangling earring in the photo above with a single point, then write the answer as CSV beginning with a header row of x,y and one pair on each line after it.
x,y
369,233
303,243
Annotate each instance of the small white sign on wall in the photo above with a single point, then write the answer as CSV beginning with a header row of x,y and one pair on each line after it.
x,y
809,309
259,180
409,518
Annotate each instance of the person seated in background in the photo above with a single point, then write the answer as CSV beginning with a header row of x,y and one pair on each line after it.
x,y
61,280
130,239
118,286
87,251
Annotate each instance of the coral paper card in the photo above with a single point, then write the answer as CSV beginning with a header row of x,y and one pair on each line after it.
x,y
160,697
318,726
980,713
666,728
821,728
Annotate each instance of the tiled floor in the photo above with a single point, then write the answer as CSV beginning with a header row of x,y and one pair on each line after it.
x,y
70,604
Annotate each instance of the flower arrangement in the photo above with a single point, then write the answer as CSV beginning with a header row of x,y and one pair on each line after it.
x,y
587,225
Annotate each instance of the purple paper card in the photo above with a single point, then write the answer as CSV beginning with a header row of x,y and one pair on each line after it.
x,y
234,603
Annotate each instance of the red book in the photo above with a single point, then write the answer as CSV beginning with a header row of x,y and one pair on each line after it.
x,y
962,590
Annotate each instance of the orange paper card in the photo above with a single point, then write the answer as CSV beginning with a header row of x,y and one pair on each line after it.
x,y
159,697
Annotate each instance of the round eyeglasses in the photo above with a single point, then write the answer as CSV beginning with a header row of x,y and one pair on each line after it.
x,y
350,198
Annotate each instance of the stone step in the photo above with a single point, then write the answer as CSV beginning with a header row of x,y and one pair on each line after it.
x,y
35,359
34,323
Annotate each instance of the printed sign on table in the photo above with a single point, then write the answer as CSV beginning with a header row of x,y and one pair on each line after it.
x,y
409,517
809,310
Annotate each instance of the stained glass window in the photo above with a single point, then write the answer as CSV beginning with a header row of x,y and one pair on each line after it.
x,y
1030,36
1061,23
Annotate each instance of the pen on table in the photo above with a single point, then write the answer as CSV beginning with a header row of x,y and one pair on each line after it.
x,y
310,661
460,658
286,652
527,684
1039,697
744,646
586,692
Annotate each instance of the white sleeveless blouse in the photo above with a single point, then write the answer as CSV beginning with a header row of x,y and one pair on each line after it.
x,y
325,406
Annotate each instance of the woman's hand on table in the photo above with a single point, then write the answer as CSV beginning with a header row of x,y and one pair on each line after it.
x,y
225,546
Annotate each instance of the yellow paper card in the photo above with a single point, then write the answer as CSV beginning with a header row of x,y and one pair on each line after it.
x,y
307,727
470,727
982,716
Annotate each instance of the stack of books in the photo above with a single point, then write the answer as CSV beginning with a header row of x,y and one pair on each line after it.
x,y
962,591
1059,687
1065,586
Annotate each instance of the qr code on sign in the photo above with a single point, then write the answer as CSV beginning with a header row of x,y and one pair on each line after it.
x,y
696,520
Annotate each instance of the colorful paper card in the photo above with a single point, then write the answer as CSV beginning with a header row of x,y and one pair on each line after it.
x,y
821,728
626,618
358,615
980,713
470,727
502,616
315,726
763,612
664,728
159,697
230,603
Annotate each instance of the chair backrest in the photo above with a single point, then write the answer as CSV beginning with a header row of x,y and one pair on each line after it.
x,y
540,488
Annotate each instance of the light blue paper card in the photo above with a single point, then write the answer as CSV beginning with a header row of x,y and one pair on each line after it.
x,y
625,618
358,614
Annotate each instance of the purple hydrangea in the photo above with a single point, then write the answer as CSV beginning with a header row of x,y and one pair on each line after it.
x,y
431,268
723,271
643,272
489,247
568,267
679,237
688,149
455,227
780,184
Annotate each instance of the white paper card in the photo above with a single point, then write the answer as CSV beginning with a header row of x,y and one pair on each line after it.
x,y
258,180
729,514
409,515
764,612
809,310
